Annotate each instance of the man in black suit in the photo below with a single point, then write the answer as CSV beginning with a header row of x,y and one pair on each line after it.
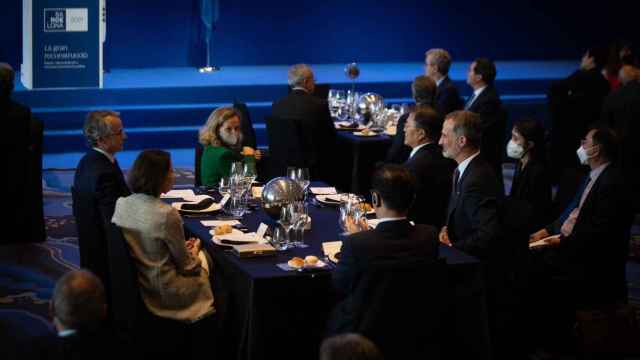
x,y
432,171
574,104
22,154
590,241
79,308
394,239
317,130
485,101
472,216
97,184
437,63
423,89
621,111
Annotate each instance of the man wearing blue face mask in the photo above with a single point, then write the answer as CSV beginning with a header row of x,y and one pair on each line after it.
x,y
589,242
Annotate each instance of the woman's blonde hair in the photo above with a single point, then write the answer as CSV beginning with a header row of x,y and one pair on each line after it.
x,y
208,133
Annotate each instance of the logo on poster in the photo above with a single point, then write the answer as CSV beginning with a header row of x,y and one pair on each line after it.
x,y
66,20
54,19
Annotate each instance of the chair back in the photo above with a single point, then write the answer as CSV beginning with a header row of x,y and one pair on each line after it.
x,y
126,300
401,306
199,149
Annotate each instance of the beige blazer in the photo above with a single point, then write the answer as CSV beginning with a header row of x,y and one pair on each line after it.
x,y
172,282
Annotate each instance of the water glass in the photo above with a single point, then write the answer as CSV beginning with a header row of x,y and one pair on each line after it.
x,y
301,220
279,238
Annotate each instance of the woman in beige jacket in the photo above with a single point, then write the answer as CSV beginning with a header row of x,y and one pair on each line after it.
x,y
173,273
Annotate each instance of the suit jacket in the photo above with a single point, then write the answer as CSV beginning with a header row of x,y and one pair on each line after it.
x,y
83,344
433,173
317,130
621,110
393,240
493,119
172,282
448,97
472,220
399,152
97,185
595,253
533,185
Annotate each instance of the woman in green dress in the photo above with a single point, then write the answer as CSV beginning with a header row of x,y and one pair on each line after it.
x,y
221,137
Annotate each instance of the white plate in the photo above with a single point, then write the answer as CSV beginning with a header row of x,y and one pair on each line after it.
x,y
234,235
335,197
212,207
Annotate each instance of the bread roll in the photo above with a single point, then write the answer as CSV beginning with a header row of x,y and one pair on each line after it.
x,y
223,229
296,263
311,260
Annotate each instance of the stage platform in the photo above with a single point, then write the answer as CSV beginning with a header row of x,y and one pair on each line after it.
x,y
163,107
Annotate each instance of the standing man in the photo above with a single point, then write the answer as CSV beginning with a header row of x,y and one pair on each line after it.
x,y
437,63
317,131
432,171
485,102
97,184
472,217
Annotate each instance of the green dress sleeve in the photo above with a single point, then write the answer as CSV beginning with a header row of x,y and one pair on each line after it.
x,y
216,163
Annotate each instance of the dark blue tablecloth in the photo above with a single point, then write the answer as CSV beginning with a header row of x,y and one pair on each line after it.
x,y
267,312
357,157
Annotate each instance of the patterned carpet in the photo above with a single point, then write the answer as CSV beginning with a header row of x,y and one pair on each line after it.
x,y
28,272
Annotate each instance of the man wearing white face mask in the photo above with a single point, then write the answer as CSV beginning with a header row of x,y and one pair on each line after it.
x,y
531,179
590,244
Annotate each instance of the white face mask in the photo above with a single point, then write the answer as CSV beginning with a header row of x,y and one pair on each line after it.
x,y
583,156
515,151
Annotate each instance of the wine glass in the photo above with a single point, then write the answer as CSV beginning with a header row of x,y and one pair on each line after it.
x,y
224,185
301,220
341,105
287,214
236,168
279,238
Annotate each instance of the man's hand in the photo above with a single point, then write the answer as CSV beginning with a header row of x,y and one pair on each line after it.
x,y
553,240
444,236
538,235
194,245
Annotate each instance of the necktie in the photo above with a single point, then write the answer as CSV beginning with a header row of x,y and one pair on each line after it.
x,y
470,101
569,223
454,194
456,177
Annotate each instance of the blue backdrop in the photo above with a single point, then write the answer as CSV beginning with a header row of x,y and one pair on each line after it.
x,y
152,33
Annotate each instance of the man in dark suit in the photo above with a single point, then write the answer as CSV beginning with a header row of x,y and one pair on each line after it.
x,y
472,216
621,111
574,104
97,184
394,239
79,308
317,130
437,63
23,158
590,240
423,89
432,171
485,101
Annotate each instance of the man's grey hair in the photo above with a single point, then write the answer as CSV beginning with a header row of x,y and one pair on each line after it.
x,y
78,300
298,74
441,58
96,126
7,79
467,124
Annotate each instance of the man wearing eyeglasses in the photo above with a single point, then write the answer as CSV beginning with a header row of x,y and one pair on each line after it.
x,y
97,184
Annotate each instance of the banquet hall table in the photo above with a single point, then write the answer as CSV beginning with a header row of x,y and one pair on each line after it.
x,y
268,313
360,157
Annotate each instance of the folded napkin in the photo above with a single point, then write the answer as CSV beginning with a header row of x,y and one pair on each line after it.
x,y
201,205
219,222
323,190
188,195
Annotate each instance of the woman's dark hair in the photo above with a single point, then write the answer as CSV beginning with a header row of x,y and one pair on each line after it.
x,y
149,172
532,131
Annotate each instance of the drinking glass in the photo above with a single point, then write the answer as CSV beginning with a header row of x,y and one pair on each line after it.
x,y
301,221
279,239
224,185
236,168
287,219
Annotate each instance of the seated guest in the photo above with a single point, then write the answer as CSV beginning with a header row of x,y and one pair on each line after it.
x,y
432,171
79,310
423,89
485,101
221,137
590,240
437,63
531,181
349,347
318,133
472,216
574,103
173,273
393,191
